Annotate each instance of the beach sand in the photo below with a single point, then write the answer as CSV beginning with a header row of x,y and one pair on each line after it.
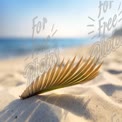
x,y
99,100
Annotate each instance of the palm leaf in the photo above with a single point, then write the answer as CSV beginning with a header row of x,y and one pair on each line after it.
x,y
60,77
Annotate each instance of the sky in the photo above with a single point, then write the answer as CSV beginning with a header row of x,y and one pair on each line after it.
x,y
65,18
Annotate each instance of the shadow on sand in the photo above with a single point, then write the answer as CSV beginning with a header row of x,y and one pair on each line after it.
x,y
46,108
109,89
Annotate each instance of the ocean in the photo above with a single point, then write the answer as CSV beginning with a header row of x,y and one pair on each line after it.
x,y
13,47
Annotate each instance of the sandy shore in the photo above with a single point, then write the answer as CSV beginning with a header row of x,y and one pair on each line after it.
x,y
99,100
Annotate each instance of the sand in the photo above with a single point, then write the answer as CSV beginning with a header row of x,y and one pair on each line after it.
x,y
99,100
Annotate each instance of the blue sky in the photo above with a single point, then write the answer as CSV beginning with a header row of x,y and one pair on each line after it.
x,y
70,17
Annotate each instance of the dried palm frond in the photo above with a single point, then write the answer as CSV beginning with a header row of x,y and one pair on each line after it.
x,y
63,76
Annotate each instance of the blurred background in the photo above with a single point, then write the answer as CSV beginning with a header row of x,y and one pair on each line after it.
x,y
27,26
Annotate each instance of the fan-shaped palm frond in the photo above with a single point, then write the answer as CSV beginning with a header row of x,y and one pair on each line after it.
x,y
63,76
